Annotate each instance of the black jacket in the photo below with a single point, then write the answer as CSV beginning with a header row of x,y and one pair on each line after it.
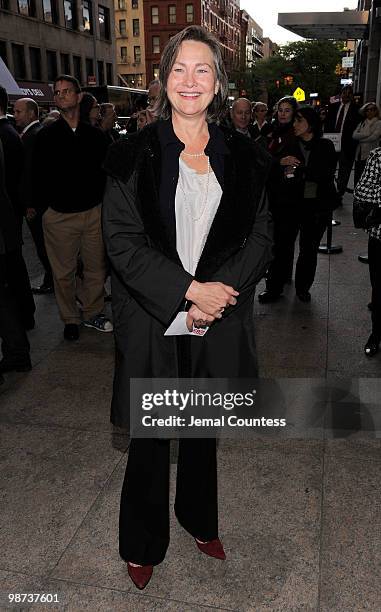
x,y
67,167
148,280
10,230
14,164
317,166
28,140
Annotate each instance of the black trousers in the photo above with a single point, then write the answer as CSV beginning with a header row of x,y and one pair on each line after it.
x,y
374,260
144,508
359,169
15,344
35,227
345,164
310,225
19,286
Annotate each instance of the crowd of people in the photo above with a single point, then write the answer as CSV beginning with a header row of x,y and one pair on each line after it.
x,y
183,207
66,228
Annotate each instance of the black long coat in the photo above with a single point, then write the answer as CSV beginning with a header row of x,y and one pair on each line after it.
x,y
148,280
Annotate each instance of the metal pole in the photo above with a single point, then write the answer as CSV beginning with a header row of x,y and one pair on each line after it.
x,y
328,248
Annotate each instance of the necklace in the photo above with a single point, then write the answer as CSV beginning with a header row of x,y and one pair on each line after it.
x,y
203,207
193,154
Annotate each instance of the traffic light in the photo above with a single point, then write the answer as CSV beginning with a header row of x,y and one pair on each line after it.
x,y
288,80
277,84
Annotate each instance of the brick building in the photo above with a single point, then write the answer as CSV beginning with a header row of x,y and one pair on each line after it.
x,y
251,41
130,46
164,18
39,39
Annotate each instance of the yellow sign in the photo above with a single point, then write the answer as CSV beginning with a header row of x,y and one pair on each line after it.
x,y
299,94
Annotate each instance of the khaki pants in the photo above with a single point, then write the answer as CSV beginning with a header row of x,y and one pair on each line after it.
x,y
68,235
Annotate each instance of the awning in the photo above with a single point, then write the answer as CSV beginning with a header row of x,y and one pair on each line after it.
x,y
7,80
347,25
42,93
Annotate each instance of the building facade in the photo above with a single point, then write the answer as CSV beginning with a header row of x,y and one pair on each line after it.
x,y
251,41
163,19
367,69
130,43
269,48
39,40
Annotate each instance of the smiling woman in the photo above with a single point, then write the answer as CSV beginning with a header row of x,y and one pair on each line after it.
x,y
186,230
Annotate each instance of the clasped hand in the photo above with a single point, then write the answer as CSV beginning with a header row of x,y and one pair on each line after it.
x,y
209,302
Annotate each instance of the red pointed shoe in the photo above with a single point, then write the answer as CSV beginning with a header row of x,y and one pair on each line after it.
x,y
140,575
213,548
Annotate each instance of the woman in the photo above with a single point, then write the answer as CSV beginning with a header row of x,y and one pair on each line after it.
x,y
308,170
368,190
368,134
261,127
282,141
184,219
89,109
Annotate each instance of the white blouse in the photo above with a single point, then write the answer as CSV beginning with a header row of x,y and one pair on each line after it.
x,y
196,203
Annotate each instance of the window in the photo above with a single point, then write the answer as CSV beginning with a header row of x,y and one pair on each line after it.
x,y
137,55
123,54
3,52
155,71
35,63
65,63
154,14
77,68
134,4
4,4
18,61
122,27
109,78
121,5
49,9
27,7
104,22
101,73
172,13
89,68
135,27
155,44
189,13
69,14
87,16
51,60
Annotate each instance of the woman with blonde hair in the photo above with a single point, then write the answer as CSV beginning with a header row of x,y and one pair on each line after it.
x,y
186,231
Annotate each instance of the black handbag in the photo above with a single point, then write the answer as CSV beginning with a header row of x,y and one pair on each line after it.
x,y
366,214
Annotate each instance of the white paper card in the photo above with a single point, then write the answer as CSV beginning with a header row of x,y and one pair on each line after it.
x,y
178,327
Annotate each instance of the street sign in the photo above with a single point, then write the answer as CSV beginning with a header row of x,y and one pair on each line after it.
x,y
299,94
231,85
346,82
314,95
347,62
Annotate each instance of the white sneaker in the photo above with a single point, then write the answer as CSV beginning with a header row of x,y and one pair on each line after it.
x,y
99,322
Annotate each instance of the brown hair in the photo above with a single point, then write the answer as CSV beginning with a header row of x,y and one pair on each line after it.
x,y
217,106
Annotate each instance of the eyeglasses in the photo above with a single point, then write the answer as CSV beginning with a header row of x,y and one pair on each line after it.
x,y
63,92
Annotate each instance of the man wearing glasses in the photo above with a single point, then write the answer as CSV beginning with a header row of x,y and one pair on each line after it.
x,y
69,184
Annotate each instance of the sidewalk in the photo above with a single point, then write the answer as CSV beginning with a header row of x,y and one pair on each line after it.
x,y
300,519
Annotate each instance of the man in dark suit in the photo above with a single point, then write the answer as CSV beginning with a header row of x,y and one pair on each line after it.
x,y
17,274
26,116
241,117
15,345
343,117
